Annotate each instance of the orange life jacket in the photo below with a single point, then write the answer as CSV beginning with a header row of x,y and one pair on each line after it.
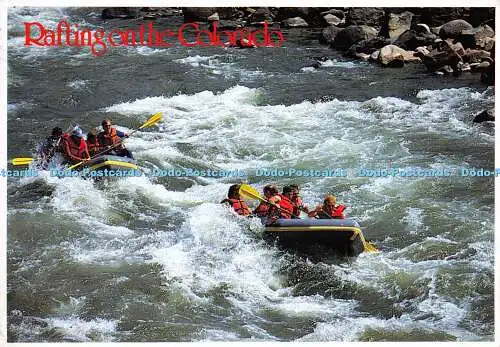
x,y
286,207
75,150
111,139
240,206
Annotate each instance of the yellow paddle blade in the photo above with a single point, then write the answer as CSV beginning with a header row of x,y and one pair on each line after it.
x,y
250,192
152,120
368,247
21,161
75,165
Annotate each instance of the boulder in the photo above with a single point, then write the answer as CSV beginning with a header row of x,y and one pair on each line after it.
x,y
229,24
337,13
362,56
374,56
422,29
422,51
352,34
312,15
371,16
295,22
476,37
368,46
393,56
262,14
398,24
475,56
214,17
332,19
410,40
194,14
328,34
442,54
485,116
453,28
120,12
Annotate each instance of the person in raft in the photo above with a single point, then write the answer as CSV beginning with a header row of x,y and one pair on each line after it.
x,y
234,200
93,143
329,209
284,209
74,147
50,146
297,201
271,195
111,139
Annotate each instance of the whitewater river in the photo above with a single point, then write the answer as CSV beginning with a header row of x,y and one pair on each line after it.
x,y
159,259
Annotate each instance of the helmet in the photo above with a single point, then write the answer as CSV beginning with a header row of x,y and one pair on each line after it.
x,y
77,131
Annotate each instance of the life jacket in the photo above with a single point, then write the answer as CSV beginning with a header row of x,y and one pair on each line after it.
x,y
75,150
94,147
262,210
337,213
111,139
286,207
239,206
296,208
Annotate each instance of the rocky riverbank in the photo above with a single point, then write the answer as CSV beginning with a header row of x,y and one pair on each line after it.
x,y
448,41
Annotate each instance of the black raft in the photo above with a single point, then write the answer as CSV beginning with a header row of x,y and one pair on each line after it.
x,y
342,235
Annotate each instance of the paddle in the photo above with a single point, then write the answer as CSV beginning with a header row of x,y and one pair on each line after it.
x,y
21,161
152,120
252,193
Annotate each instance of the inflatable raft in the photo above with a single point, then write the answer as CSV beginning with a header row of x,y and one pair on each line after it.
x,y
111,163
342,235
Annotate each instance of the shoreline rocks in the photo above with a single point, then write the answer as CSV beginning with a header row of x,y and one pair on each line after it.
x,y
448,41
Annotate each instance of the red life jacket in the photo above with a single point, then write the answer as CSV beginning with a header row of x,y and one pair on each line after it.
x,y
286,207
337,212
93,148
109,139
240,206
75,150
262,210
296,208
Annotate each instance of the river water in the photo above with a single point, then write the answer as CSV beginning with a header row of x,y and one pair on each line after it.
x,y
159,259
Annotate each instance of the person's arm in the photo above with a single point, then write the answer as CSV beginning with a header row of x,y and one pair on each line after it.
x,y
86,151
121,134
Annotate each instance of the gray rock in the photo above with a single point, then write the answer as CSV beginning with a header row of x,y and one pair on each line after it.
x,y
198,13
476,37
295,22
422,28
475,55
328,34
332,19
368,46
371,16
262,14
214,17
352,34
398,24
453,28
337,13
410,40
